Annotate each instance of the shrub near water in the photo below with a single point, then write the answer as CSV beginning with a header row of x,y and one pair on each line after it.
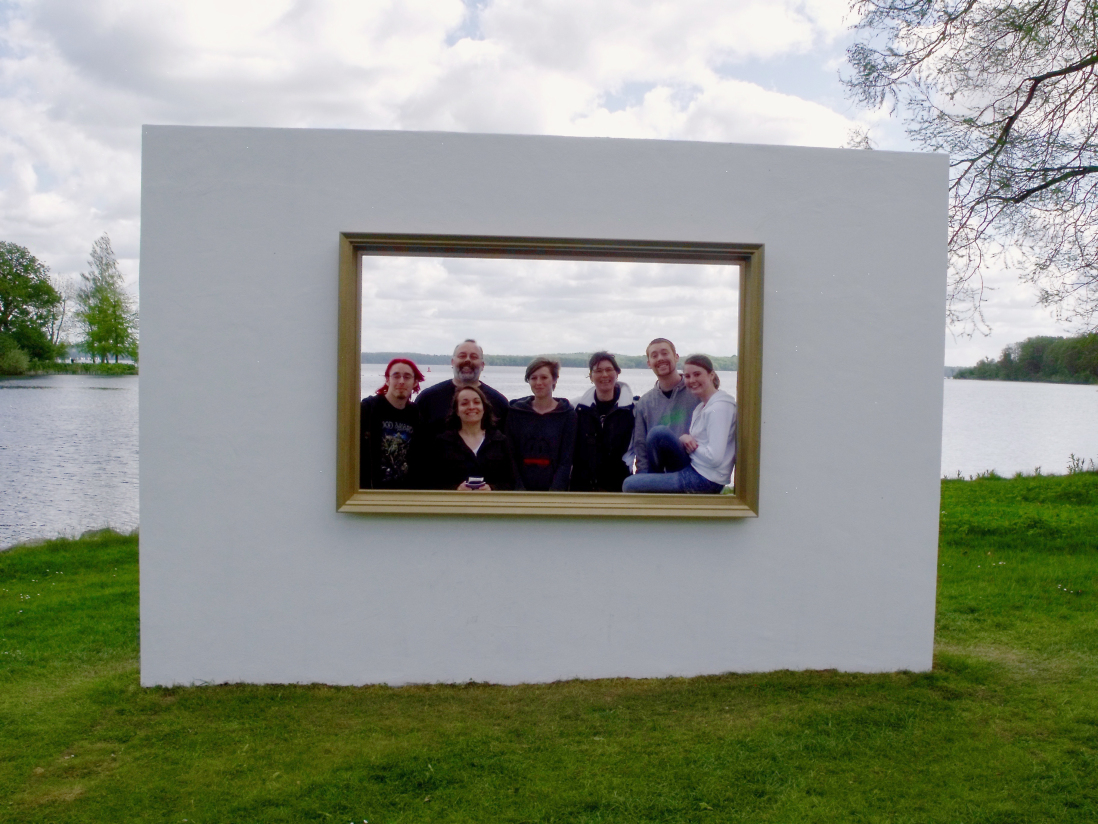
x,y
1003,730
13,360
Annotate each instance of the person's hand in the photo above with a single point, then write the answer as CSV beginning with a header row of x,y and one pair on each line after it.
x,y
466,488
688,443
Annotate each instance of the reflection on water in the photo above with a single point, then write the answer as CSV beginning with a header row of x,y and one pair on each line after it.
x,y
68,455
68,443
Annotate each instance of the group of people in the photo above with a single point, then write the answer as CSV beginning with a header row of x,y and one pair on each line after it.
x,y
461,434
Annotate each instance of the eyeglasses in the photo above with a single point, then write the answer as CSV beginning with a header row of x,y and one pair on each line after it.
x,y
609,370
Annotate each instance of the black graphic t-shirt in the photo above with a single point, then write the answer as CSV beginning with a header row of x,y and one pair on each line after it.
x,y
388,447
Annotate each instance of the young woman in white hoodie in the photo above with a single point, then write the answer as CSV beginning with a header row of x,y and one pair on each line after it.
x,y
700,461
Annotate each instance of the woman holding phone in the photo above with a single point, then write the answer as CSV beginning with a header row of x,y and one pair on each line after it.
x,y
473,455
700,461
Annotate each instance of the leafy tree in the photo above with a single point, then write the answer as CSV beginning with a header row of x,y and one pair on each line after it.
x,y
1008,88
1058,360
105,309
27,303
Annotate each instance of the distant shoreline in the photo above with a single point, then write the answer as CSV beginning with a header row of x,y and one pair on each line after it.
x,y
727,363
39,368
1041,359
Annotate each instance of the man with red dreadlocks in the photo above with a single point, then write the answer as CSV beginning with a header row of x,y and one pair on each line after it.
x,y
390,425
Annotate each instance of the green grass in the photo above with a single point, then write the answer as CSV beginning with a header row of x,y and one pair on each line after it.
x,y
1005,729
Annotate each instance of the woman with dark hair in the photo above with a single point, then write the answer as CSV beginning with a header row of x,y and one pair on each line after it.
x,y
702,459
604,429
473,455
389,427
542,431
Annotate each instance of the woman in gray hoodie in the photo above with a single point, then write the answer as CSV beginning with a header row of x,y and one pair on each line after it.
x,y
542,431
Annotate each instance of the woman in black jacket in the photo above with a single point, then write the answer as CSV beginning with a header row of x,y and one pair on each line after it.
x,y
542,431
474,457
604,429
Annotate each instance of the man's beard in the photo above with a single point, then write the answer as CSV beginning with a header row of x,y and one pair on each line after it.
x,y
470,377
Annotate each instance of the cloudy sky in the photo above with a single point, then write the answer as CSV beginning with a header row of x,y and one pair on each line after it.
x,y
79,77
529,307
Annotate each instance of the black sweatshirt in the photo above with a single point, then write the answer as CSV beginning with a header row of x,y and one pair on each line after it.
x,y
542,444
388,441
453,462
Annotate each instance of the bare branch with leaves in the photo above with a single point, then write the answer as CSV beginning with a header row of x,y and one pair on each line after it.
x,y
1009,89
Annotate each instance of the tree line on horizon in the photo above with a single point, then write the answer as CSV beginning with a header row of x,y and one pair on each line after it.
x,y
1044,359
39,314
573,359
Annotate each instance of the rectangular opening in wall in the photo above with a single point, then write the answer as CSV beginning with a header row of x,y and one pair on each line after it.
x,y
419,296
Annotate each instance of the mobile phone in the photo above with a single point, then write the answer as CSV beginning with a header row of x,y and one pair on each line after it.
x,y
475,483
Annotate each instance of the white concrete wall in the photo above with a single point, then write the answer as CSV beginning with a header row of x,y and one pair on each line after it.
x,y
249,574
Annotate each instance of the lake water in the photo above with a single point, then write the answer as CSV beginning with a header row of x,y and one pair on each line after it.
x,y
68,443
1017,427
68,456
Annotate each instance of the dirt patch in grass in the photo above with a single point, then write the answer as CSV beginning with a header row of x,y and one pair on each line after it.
x,y
53,794
1018,662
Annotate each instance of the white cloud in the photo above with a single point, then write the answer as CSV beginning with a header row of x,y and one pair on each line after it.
x,y
79,77
534,306
619,40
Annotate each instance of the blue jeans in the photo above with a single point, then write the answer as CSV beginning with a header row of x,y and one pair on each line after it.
x,y
669,468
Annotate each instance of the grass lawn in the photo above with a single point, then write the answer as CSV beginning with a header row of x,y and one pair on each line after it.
x,y
1005,729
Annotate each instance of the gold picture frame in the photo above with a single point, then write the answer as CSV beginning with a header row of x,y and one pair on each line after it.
x,y
350,498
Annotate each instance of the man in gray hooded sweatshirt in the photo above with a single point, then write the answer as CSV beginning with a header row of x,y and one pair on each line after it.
x,y
668,403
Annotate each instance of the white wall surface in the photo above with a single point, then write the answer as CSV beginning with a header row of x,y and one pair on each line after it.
x,y
249,574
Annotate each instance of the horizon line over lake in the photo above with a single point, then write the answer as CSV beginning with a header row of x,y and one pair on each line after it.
x,y
571,359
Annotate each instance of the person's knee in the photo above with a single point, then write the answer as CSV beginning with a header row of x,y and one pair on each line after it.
x,y
659,433
660,439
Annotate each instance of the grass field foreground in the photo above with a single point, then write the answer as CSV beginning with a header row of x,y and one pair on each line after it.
x,y
1005,729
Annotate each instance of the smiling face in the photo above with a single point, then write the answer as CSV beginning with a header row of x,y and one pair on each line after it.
x,y
662,358
400,382
604,376
468,363
542,383
698,380
470,408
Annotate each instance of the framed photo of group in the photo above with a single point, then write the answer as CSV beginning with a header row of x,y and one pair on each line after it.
x,y
552,291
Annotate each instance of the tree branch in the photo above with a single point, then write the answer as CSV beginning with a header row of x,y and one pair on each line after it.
x,y
1082,171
